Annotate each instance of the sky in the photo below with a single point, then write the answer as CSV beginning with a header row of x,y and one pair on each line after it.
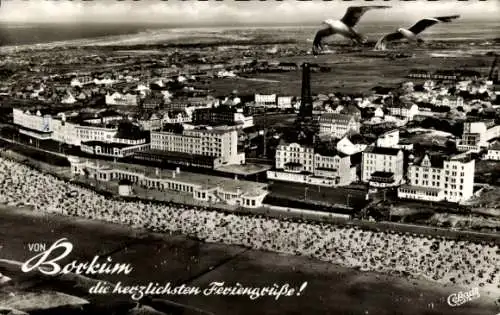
x,y
229,12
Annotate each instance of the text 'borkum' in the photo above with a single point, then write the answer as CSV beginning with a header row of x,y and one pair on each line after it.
x,y
46,262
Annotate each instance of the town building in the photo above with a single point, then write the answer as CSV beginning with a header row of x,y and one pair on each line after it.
x,y
295,157
477,134
150,121
493,152
285,102
105,117
435,177
219,143
176,117
38,125
319,166
265,100
287,66
115,150
406,110
448,100
390,139
189,187
352,144
419,74
81,81
152,101
338,125
46,127
101,133
222,115
119,99
382,167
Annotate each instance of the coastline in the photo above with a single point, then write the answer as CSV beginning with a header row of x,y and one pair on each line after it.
x,y
425,289
296,244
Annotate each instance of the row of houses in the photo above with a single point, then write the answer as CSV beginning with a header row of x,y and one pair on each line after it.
x,y
446,75
208,146
382,163
275,101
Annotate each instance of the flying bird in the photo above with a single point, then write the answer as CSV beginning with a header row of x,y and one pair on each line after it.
x,y
344,27
412,32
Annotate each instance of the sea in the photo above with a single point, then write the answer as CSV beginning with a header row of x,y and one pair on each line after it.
x,y
50,35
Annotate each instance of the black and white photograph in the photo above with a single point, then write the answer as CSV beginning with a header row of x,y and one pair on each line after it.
x,y
249,157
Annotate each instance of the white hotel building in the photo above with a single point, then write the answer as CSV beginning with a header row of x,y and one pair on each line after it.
x,y
439,178
477,135
382,167
301,164
46,127
219,142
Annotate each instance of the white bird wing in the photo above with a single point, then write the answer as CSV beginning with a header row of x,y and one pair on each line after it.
x,y
423,24
354,14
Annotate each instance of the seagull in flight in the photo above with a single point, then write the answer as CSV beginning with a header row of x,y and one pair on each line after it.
x,y
412,32
343,27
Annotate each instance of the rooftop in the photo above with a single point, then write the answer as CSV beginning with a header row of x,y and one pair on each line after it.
x,y
495,146
245,169
382,150
436,159
205,181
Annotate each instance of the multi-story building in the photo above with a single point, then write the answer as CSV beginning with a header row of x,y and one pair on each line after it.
x,y
406,110
219,143
222,115
81,81
437,178
103,118
493,152
419,74
152,101
46,127
448,100
122,99
382,167
352,144
176,117
38,126
94,133
150,121
334,166
320,166
390,139
265,100
285,102
477,134
338,125
294,157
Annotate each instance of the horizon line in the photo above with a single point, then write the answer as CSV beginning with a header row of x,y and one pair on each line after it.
x,y
206,24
